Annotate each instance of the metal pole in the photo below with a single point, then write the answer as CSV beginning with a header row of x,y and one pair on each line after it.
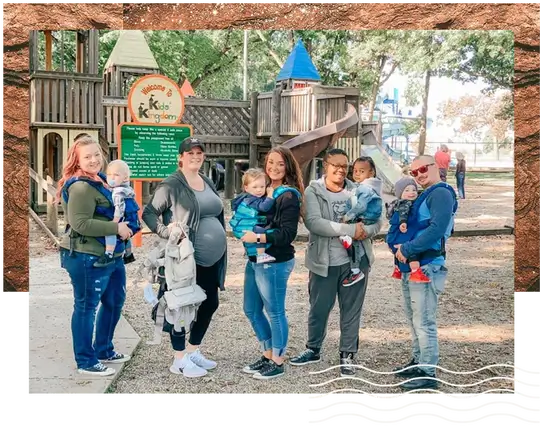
x,y
245,63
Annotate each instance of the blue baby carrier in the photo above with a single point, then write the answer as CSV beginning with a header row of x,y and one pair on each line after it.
x,y
395,236
246,218
131,213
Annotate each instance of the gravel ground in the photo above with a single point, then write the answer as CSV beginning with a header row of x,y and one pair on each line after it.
x,y
475,323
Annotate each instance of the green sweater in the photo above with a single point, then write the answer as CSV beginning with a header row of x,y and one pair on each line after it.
x,y
80,215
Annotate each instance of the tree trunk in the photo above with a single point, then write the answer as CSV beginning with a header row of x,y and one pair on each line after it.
x,y
423,120
375,89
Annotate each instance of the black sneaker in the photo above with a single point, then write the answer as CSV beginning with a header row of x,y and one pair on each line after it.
x,y
98,369
116,358
407,370
256,366
128,259
308,356
270,370
346,369
425,381
104,261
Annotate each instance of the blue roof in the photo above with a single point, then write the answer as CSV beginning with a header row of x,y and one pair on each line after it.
x,y
299,65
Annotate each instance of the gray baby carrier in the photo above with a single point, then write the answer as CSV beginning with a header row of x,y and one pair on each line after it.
x,y
180,302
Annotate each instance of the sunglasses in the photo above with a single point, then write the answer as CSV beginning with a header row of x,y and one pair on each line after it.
x,y
421,169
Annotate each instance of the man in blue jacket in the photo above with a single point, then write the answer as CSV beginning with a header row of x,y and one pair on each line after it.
x,y
420,299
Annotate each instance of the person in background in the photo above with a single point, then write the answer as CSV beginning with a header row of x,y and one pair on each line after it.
x,y
442,158
460,174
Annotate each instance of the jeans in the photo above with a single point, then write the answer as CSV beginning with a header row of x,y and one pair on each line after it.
x,y
208,279
443,173
92,285
110,244
265,287
460,181
420,303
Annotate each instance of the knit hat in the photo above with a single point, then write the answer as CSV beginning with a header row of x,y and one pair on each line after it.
x,y
402,184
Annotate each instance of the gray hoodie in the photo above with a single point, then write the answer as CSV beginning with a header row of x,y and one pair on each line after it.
x,y
321,228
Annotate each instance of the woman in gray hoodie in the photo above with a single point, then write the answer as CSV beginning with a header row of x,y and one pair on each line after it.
x,y
328,263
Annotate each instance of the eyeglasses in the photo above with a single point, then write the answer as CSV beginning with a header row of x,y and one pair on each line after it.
x,y
344,167
421,169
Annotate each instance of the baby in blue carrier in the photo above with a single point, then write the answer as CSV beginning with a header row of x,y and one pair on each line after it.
x,y
125,209
256,199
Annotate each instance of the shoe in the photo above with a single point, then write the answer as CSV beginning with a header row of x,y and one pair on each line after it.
x,y
265,258
308,356
352,278
406,370
201,361
270,370
256,366
346,241
186,367
104,261
424,382
128,259
419,276
396,274
98,369
116,358
346,369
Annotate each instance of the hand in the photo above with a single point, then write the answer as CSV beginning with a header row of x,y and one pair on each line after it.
x,y
249,237
124,231
399,255
403,227
270,192
360,232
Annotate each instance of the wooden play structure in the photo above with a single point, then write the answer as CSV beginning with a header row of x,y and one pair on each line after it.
x,y
66,103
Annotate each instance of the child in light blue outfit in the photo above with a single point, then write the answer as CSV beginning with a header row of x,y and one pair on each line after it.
x,y
365,205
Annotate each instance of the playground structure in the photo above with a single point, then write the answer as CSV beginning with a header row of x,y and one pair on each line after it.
x,y
300,113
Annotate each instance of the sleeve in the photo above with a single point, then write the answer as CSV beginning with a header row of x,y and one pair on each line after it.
x,y
262,204
374,229
439,203
80,212
159,203
404,210
320,226
290,215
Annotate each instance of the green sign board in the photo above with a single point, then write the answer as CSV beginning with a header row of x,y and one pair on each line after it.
x,y
151,151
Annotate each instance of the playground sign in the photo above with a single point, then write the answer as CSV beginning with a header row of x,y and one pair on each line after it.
x,y
156,99
150,150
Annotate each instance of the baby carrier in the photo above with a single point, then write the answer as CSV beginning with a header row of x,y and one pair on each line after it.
x,y
131,214
180,299
395,236
246,218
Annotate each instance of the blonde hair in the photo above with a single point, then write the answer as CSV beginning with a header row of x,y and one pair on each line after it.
x,y
251,175
460,156
122,165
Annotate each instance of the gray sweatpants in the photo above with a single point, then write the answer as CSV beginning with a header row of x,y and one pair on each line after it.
x,y
322,297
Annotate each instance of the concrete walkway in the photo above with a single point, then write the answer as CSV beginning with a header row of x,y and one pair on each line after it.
x,y
52,366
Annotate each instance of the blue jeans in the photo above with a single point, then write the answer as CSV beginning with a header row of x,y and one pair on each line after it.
x,y
92,285
460,181
420,303
265,286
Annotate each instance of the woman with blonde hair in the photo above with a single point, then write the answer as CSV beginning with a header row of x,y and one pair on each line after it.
x,y
87,201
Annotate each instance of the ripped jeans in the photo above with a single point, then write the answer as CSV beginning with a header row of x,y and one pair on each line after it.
x,y
92,285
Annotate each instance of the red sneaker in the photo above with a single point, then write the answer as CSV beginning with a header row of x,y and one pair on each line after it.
x,y
419,276
396,274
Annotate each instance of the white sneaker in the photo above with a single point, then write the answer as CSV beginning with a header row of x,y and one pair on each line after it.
x,y
197,358
186,367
